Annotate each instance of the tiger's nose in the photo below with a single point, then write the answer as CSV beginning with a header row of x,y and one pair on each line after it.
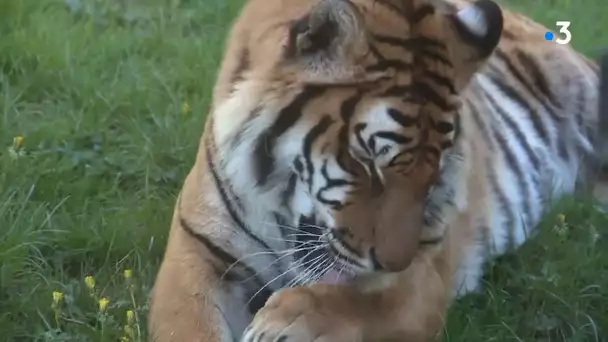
x,y
388,264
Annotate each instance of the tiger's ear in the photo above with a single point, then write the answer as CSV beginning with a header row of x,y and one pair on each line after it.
x,y
475,32
330,31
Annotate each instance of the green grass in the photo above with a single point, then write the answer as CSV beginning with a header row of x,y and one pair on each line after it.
x,y
98,93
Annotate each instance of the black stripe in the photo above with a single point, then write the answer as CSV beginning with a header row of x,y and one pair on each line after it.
x,y
385,64
414,45
287,117
399,91
319,129
423,42
515,129
431,241
402,119
562,149
533,69
503,202
420,13
217,251
283,226
231,211
520,176
238,136
442,127
357,132
537,122
395,161
440,80
391,6
437,57
250,282
512,70
331,183
516,72
394,137
404,43
428,93
241,67
481,125
347,110
290,190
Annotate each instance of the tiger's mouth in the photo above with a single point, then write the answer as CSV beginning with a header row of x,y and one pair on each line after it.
x,y
322,257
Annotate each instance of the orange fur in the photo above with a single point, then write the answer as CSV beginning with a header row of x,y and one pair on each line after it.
x,y
408,302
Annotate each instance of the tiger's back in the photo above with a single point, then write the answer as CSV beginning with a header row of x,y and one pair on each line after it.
x,y
534,109
393,144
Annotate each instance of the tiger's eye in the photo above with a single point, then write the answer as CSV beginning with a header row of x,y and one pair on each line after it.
x,y
383,151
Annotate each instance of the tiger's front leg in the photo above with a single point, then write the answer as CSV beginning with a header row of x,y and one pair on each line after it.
x,y
408,306
189,303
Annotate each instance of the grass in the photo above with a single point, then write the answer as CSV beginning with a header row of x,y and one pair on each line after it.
x,y
110,100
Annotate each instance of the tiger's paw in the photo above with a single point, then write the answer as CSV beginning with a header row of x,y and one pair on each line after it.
x,y
303,315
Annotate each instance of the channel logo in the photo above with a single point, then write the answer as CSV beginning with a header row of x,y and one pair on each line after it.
x,y
563,29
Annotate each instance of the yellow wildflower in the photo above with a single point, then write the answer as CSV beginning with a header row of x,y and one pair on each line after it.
x,y
561,219
57,297
185,108
130,317
128,273
90,282
103,304
17,142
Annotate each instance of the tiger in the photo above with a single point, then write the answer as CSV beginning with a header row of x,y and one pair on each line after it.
x,y
362,160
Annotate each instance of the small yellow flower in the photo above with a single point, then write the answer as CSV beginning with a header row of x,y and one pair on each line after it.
x,y
130,317
128,273
17,142
561,219
57,297
103,304
185,108
90,282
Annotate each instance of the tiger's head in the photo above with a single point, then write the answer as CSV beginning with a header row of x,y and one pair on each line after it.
x,y
341,117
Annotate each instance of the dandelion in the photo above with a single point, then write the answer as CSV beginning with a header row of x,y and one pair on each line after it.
x,y
132,327
561,228
57,298
17,142
102,316
90,282
103,304
56,305
129,328
185,108
16,149
128,273
130,317
560,219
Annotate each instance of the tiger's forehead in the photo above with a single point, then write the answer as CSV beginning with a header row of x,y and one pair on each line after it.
x,y
396,17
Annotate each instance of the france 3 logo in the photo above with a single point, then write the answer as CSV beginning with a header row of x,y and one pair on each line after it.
x,y
563,29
